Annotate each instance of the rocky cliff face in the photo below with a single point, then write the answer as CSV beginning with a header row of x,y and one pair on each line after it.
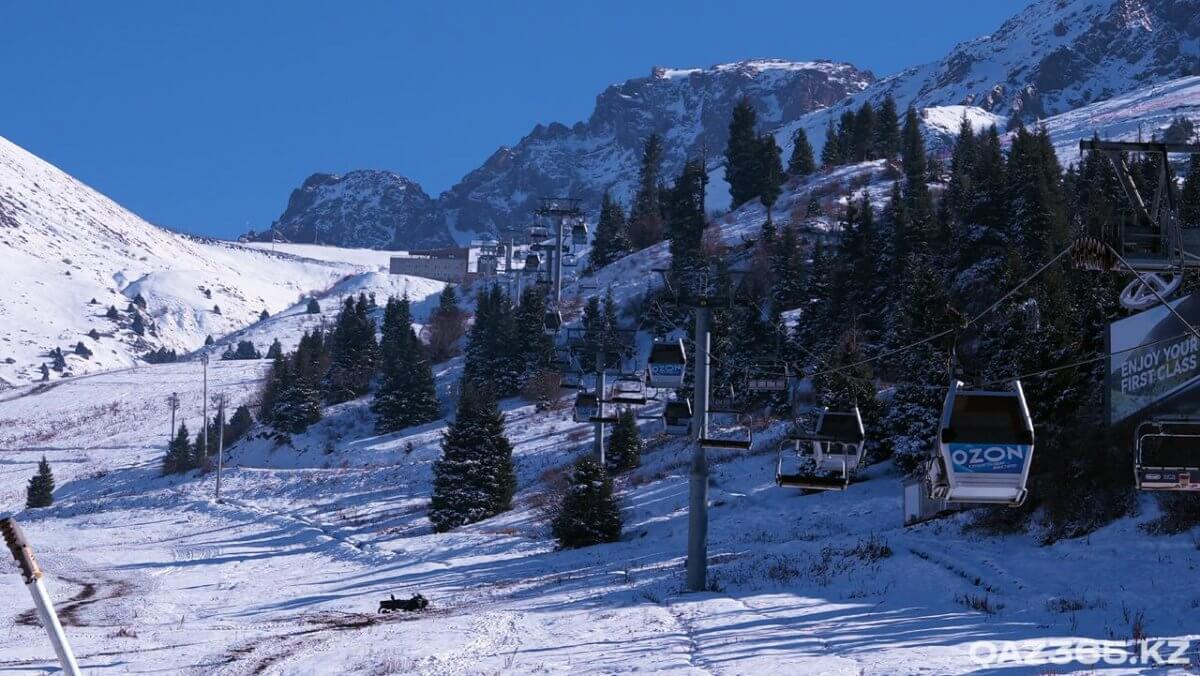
x,y
372,209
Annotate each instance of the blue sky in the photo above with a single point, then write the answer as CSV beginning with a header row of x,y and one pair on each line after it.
x,y
203,116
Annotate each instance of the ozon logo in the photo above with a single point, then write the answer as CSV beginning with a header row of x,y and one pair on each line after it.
x,y
988,455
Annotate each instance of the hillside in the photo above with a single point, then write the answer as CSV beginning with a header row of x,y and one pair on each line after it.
x,y
65,245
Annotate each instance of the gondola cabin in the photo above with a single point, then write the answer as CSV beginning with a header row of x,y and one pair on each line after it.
x,y
677,417
553,322
538,233
586,408
579,234
1167,455
666,366
984,447
532,262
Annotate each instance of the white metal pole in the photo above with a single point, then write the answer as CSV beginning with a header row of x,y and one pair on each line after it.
x,y
697,555
23,554
204,418
220,441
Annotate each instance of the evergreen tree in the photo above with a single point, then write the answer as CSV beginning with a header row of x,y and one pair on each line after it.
x,y
534,348
625,444
491,345
112,312
239,424
447,324
45,372
178,457
406,395
787,271
208,340
140,301
770,172
313,307
263,315
831,154
276,349
646,213
40,492
354,351
138,326
917,199
743,163
862,135
588,514
687,219
887,130
612,234
801,162
474,478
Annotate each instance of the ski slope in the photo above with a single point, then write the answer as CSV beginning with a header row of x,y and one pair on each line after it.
x,y
284,576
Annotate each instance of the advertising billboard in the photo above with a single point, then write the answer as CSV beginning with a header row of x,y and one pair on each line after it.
x,y
1154,363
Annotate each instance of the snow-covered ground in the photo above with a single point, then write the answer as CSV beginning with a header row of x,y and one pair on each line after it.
x,y
284,576
375,259
64,245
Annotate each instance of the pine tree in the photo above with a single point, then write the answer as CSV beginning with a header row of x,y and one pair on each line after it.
x,y
492,345
917,198
770,172
887,130
40,492
447,325
831,153
313,307
263,315
612,234
862,135
743,164
801,162
474,479
276,349
45,372
687,219
178,457
588,514
625,444
112,312
355,353
646,213
138,326
140,301
787,271
406,395
208,340
239,424
534,348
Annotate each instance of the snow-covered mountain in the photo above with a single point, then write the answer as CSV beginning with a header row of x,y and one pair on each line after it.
x,y
69,253
690,108
1056,55
363,208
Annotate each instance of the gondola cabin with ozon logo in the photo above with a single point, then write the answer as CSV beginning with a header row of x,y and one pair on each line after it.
x,y
985,447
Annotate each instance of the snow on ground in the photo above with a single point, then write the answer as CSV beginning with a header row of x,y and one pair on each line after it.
x,y
284,576
374,259
1141,114
287,326
65,245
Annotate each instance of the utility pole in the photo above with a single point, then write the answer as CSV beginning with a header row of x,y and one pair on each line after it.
x,y
599,440
204,419
23,554
697,554
173,402
220,401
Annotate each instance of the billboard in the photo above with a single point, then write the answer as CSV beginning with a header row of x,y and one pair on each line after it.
x,y
1154,362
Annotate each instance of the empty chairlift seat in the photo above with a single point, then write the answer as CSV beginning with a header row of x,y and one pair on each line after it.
x,y
677,417
667,364
836,447
984,448
553,322
1167,456
532,262
579,234
628,390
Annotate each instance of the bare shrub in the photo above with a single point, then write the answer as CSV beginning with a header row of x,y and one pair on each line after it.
x,y
982,604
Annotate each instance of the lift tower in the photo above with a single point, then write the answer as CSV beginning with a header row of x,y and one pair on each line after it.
x,y
562,214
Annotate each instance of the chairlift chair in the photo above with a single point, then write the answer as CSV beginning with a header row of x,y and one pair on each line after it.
x,y
666,366
532,262
587,406
1167,456
984,448
568,260
538,233
768,380
579,234
837,451
741,436
677,417
628,390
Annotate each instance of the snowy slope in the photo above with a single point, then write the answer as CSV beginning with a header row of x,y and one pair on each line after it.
x,y
63,245
284,576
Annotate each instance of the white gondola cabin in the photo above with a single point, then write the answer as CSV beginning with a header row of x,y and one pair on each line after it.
x,y
666,366
1167,456
677,417
836,448
984,447
587,407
